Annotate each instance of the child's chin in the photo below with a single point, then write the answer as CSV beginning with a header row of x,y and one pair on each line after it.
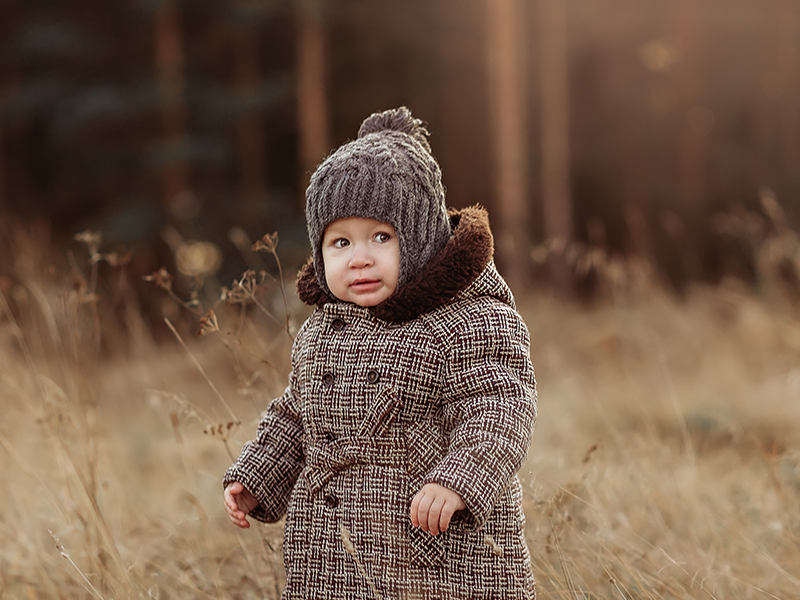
x,y
366,303
369,301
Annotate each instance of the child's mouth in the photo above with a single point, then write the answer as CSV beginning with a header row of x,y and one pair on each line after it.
x,y
365,285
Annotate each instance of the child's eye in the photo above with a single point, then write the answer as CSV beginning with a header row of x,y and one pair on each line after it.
x,y
341,243
382,237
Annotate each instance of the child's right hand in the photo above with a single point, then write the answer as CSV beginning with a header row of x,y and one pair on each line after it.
x,y
239,502
434,506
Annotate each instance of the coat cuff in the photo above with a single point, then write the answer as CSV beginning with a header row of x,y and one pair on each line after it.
x,y
478,487
272,489
269,466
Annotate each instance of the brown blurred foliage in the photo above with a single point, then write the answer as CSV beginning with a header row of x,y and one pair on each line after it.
x,y
138,117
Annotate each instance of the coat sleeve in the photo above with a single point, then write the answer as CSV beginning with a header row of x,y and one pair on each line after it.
x,y
269,465
489,406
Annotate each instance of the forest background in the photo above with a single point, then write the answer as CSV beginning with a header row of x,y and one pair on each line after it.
x,y
640,162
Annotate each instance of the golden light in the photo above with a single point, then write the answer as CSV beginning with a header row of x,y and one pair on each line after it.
x,y
198,259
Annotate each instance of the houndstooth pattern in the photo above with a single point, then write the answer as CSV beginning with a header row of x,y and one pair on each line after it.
x,y
372,412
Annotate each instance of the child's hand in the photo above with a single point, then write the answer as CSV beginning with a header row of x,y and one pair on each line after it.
x,y
239,502
434,506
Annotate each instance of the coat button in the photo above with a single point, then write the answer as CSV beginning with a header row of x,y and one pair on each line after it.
x,y
328,379
331,501
338,324
329,437
372,376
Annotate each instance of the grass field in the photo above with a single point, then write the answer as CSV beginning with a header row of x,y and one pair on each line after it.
x,y
665,462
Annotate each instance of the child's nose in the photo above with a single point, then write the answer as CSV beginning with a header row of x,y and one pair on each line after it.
x,y
361,257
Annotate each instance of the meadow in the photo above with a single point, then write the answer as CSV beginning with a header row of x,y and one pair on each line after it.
x,y
665,462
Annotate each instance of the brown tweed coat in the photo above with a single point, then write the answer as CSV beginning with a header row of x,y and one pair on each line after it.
x,y
433,385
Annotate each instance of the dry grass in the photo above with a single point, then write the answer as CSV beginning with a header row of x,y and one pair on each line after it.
x,y
665,462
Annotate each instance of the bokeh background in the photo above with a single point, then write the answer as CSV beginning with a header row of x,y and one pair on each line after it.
x,y
640,162
623,124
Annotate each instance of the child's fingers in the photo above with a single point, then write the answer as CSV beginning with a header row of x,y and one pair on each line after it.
x,y
233,511
234,488
446,515
237,517
230,494
415,509
239,521
423,509
433,508
434,514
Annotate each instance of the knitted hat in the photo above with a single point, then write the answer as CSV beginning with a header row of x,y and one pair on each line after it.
x,y
387,174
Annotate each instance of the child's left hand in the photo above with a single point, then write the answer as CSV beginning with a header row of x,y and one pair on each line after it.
x,y
238,503
434,506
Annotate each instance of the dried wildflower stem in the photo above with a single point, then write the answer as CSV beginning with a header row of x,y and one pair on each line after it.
x,y
493,545
16,331
26,351
200,368
68,461
203,516
191,409
163,279
254,354
563,562
63,552
351,549
269,242
276,570
210,324
89,297
283,290
206,377
251,564
265,310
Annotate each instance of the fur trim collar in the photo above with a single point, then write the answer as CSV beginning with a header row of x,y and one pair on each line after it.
x,y
466,254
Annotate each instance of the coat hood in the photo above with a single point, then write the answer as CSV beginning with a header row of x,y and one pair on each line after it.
x,y
466,257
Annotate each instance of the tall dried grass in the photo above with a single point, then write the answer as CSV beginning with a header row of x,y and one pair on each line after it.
x,y
665,462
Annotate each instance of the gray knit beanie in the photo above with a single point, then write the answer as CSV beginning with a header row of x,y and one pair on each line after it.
x,y
387,174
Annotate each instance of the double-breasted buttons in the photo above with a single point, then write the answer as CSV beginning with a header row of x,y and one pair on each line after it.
x,y
328,379
331,501
338,324
372,376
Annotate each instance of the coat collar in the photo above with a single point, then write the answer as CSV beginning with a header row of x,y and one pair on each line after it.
x,y
467,253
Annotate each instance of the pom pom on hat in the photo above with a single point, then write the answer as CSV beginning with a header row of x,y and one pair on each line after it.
x,y
387,174
399,119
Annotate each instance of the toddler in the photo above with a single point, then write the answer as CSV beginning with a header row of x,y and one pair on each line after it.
x,y
411,400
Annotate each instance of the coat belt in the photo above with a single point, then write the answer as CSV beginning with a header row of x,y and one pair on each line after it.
x,y
324,459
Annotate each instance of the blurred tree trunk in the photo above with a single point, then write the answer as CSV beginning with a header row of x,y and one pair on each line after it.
x,y
460,137
250,128
787,15
692,144
508,127
169,64
312,98
556,188
3,184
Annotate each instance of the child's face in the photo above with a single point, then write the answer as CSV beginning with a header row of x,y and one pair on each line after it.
x,y
362,260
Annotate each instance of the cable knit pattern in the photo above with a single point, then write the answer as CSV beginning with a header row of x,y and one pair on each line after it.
x,y
388,174
382,400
